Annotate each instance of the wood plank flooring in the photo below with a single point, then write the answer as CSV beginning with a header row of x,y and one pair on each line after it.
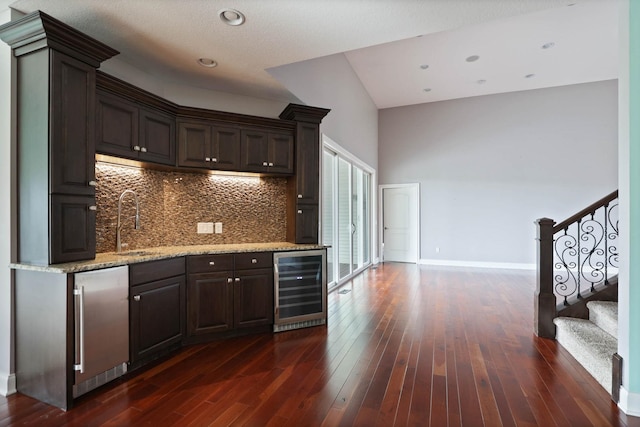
x,y
407,345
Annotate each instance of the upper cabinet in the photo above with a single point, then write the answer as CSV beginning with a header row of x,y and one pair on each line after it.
x,y
56,69
266,152
208,146
127,129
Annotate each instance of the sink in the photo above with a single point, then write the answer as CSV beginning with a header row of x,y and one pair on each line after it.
x,y
135,253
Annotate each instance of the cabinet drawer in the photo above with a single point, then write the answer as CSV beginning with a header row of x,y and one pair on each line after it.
x,y
250,260
155,270
207,263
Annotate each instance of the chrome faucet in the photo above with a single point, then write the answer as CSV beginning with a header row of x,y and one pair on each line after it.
x,y
136,217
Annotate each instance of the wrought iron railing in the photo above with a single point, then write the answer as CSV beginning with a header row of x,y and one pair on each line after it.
x,y
575,258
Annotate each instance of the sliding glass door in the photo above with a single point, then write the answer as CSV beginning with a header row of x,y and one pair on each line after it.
x,y
346,216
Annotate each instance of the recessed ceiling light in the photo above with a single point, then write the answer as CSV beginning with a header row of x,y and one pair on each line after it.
x,y
231,17
481,81
427,89
472,58
207,62
424,66
548,45
528,76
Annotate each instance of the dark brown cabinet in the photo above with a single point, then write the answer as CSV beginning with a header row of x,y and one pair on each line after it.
x,y
228,293
72,120
73,228
266,152
157,308
157,137
55,119
126,129
253,298
304,187
208,146
307,220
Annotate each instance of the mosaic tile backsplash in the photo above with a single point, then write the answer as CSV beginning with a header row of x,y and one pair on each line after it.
x,y
251,209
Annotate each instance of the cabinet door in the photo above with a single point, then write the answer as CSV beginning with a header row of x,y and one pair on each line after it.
x,y
253,298
254,151
307,224
210,303
116,126
307,164
225,153
72,148
157,316
73,228
280,153
157,137
194,145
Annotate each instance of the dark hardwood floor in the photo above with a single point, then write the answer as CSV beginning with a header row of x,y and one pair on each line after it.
x,y
407,345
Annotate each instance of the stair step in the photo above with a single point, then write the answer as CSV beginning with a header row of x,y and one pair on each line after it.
x,y
605,315
590,345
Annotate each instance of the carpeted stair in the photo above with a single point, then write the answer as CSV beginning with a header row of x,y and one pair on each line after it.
x,y
592,342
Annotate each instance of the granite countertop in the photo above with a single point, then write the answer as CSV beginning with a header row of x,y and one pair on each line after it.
x,y
111,259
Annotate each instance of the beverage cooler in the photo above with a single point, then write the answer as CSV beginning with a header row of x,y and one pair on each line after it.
x,y
300,289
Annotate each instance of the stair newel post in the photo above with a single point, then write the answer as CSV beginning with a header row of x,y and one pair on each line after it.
x,y
545,300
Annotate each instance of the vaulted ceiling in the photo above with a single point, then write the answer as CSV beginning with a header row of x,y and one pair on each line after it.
x,y
404,51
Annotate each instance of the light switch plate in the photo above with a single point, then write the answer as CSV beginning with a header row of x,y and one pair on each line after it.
x,y
205,228
218,228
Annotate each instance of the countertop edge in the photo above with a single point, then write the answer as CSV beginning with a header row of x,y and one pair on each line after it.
x,y
111,259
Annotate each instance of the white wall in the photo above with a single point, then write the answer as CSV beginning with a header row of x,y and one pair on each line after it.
x,y
7,378
191,96
330,82
489,166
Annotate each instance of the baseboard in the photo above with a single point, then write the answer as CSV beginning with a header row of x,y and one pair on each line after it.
x,y
7,384
477,264
629,402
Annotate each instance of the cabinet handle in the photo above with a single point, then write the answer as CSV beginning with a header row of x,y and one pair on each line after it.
x,y
270,164
207,159
212,263
254,261
79,295
93,208
265,164
143,149
136,148
229,280
299,196
92,183
136,297
299,211
214,160
237,279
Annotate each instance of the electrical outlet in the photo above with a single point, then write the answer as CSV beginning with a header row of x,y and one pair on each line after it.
x,y
205,228
218,227
437,250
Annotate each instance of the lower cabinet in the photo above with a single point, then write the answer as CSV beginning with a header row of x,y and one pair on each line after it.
x,y
229,294
157,308
210,303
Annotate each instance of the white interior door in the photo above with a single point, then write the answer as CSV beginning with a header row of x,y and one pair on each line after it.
x,y
400,223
